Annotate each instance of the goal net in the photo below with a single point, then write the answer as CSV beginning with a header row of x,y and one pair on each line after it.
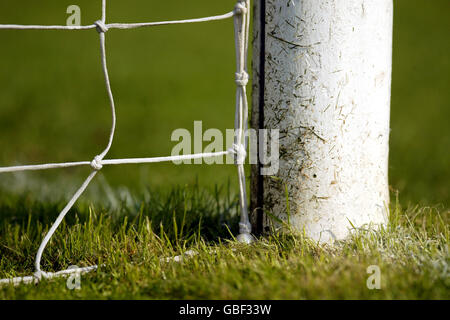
x,y
241,16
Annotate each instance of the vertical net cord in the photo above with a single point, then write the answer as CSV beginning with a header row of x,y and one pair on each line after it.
x,y
242,22
38,272
96,163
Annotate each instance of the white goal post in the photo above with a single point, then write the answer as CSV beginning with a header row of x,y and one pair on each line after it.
x,y
322,76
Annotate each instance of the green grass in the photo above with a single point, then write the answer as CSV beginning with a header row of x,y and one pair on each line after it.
x,y
412,253
53,107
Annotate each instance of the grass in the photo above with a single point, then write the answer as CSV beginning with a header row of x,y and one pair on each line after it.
x,y
412,253
53,108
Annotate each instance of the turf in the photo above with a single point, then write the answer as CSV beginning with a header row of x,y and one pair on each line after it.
x,y
53,107
132,244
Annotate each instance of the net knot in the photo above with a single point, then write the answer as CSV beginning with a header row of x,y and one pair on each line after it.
x,y
241,78
96,164
40,274
240,7
245,227
239,153
100,26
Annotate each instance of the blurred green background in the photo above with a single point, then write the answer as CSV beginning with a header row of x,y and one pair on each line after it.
x,y
54,108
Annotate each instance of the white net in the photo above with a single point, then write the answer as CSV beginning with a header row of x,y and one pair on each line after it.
x,y
241,16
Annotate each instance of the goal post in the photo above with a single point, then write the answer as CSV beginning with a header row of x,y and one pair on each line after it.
x,y
322,77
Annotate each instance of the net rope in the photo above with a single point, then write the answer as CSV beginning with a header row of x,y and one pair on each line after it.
x,y
241,16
